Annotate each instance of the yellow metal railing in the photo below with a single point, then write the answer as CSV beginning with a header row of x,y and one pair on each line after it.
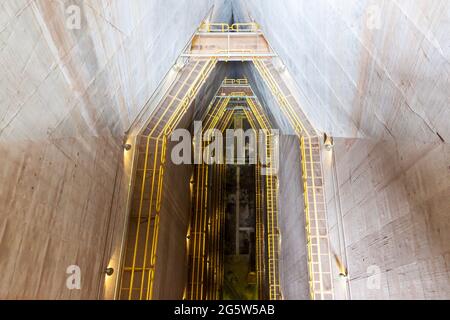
x,y
205,255
234,82
219,236
152,178
224,27
312,200
271,186
214,233
307,217
299,129
245,27
259,210
202,262
287,108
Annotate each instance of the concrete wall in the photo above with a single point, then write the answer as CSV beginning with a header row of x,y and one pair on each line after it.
x,y
375,69
267,100
222,11
103,72
116,223
55,205
365,68
390,202
209,89
66,98
172,266
293,262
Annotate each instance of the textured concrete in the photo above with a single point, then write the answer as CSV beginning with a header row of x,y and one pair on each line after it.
x,y
55,206
365,68
172,265
268,101
66,99
374,69
171,268
377,70
98,76
394,205
116,223
209,90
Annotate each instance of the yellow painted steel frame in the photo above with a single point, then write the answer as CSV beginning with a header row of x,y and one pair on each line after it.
x,y
245,27
273,235
217,214
201,284
311,206
260,232
234,82
157,174
200,227
225,27
213,234
222,126
307,218
236,95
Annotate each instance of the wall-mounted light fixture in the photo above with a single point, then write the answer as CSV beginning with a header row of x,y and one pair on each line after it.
x,y
109,271
328,142
343,272
281,68
126,146
178,66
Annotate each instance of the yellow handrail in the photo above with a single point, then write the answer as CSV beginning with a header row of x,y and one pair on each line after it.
x,y
199,230
245,27
155,156
225,27
312,199
214,27
260,228
228,81
271,203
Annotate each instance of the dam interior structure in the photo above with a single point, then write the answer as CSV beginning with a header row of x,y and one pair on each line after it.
x,y
121,178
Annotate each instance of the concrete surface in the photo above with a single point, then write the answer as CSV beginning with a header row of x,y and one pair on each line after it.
x,y
66,99
374,74
395,210
377,69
